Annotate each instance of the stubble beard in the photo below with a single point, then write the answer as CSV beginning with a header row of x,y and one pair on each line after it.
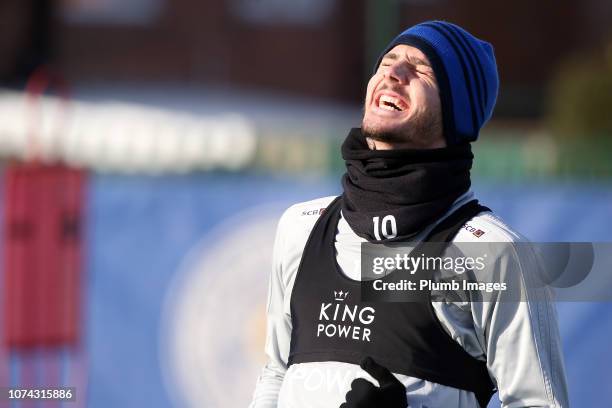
x,y
419,132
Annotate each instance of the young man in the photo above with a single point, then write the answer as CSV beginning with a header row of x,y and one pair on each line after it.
x,y
407,180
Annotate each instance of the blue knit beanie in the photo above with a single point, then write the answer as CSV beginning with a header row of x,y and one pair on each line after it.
x,y
466,73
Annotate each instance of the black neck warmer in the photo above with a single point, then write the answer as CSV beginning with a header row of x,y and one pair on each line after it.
x,y
392,195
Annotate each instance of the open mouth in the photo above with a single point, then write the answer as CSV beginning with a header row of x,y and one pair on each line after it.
x,y
391,103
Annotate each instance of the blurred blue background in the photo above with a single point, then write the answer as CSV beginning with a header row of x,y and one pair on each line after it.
x,y
141,229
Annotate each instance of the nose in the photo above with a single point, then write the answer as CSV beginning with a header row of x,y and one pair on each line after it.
x,y
399,71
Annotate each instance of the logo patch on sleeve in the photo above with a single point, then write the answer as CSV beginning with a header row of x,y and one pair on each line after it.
x,y
475,231
316,211
478,233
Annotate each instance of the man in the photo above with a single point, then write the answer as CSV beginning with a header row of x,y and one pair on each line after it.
x,y
407,179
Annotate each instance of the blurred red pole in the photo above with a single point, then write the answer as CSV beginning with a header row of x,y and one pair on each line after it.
x,y
42,245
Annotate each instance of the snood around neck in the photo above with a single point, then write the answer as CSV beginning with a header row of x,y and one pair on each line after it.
x,y
392,195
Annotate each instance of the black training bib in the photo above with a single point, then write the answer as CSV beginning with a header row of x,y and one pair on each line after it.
x,y
330,323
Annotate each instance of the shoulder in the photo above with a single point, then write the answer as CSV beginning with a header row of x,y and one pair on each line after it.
x,y
298,220
487,233
303,216
292,233
508,253
488,227
309,208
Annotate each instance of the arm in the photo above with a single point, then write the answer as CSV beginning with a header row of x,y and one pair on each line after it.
x,y
521,339
278,330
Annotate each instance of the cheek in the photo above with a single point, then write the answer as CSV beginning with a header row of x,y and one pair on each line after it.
x,y
429,99
372,83
434,100
434,96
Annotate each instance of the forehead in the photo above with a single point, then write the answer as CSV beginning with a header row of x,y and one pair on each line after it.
x,y
407,51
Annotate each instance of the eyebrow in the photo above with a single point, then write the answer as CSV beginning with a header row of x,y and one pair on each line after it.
x,y
411,59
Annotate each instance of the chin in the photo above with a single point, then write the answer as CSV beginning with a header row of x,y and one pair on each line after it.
x,y
382,124
386,135
379,131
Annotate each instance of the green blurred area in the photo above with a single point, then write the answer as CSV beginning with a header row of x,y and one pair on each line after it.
x,y
499,154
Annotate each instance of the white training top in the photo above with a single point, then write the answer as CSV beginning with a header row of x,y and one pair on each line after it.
x,y
519,340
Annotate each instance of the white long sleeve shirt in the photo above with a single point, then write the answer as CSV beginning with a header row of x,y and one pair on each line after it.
x,y
519,340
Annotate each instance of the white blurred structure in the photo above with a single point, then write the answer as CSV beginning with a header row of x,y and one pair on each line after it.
x,y
160,130
123,136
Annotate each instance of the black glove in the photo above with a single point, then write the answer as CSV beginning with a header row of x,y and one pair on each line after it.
x,y
364,394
